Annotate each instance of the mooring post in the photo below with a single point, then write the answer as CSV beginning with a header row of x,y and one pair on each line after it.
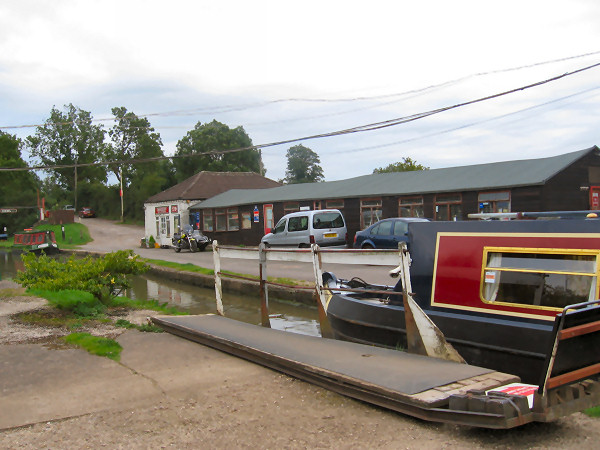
x,y
264,287
218,287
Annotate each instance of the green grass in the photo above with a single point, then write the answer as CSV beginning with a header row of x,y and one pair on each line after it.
x,y
75,234
593,412
148,328
96,345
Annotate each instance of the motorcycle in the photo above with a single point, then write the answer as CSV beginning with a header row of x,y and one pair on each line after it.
x,y
190,239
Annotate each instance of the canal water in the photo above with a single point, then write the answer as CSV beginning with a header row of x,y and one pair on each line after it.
x,y
286,316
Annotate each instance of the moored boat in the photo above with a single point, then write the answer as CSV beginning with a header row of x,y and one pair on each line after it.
x,y
37,241
494,289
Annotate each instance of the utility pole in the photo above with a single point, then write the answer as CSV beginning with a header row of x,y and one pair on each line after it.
x,y
121,192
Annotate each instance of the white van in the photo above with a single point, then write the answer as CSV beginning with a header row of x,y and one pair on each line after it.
x,y
325,227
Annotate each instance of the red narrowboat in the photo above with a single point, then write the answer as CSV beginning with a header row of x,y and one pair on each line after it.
x,y
37,241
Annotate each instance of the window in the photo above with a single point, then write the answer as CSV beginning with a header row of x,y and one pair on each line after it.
x,y
299,223
220,220
207,220
280,227
290,207
448,207
246,220
233,224
157,227
411,207
176,223
383,229
334,204
163,225
400,228
324,220
540,278
494,202
370,212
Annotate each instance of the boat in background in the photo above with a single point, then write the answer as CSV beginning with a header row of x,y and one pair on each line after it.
x,y
495,289
37,241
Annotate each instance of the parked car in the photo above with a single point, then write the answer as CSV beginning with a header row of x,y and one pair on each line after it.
x,y
325,227
386,233
87,212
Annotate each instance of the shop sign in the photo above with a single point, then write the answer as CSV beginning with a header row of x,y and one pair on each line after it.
x,y
161,210
174,209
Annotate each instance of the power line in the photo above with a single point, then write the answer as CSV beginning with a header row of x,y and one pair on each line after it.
x,y
358,129
244,106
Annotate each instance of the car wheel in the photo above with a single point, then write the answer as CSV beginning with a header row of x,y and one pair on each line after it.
x,y
367,247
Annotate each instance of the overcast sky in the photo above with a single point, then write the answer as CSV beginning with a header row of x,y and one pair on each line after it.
x,y
288,70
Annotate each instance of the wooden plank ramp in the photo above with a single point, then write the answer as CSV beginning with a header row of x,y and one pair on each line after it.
x,y
416,385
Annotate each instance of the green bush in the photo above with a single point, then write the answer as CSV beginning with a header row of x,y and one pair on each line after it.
x,y
104,277
80,303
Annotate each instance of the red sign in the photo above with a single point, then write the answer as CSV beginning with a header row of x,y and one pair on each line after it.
x,y
174,209
161,210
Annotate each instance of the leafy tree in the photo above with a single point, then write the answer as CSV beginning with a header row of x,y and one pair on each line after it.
x,y
303,166
18,188
406,165
69,138
215,137
133,137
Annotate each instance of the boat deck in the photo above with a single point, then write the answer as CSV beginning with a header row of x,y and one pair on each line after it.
x,y
412,384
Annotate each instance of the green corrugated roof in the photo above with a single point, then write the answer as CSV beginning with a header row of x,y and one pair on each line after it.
x,y
506,174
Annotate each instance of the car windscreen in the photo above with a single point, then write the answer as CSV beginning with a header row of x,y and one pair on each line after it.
x,y
328,220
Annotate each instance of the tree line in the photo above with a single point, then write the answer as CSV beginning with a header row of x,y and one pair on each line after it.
x,y
70,138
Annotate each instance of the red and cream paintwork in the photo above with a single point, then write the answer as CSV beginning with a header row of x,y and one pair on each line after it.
x,y
459,267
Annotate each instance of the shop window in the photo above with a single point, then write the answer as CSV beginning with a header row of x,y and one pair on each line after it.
x,y
207,221
290,207
246,220
411,207
176,223
448,207
157,226
540,278
220,220
335,204
494,202
233,223
370,212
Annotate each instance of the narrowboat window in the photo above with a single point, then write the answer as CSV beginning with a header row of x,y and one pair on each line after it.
x,y
552,280
411,207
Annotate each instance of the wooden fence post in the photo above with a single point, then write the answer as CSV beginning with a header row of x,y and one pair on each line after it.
x,y
264,287
218,287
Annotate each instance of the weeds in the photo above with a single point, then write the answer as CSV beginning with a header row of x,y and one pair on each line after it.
x,y
96,345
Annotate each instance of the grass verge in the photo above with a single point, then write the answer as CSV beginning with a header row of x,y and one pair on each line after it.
x,y
75,234
96,345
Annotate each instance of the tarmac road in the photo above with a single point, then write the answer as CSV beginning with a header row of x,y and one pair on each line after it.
x,y
109,236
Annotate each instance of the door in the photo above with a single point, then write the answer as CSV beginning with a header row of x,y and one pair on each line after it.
x,y
268,218
595,197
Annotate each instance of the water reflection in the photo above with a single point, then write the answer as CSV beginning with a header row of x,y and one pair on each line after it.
x,y
195,300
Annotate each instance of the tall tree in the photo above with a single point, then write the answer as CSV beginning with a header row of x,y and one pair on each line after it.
x,y
133,138
406,165
70,138
18,188
303,166
216,137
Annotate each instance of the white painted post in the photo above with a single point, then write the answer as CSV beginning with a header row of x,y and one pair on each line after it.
x,y
326,330
218,287
264,287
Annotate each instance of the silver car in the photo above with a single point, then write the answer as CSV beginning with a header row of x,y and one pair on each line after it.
x,y
325,227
